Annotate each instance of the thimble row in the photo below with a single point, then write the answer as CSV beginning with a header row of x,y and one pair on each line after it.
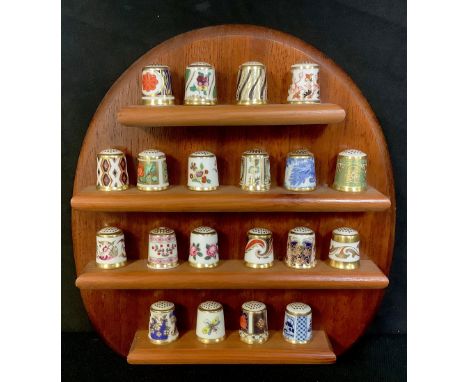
x,y
251,84
152,173
204,250
210,327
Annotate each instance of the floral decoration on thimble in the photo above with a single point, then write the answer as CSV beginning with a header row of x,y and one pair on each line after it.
x,y
300,251
162,327
202,171
210,322
110,248
204,252
253,322
156,86
152,171
304,86
200,84
162,249
300,171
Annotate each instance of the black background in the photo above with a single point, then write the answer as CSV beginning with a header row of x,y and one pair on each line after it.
x,y
100,39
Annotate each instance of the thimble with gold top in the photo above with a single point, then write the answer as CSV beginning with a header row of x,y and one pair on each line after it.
x,y
259,248
251,84
200,84
304,86
202,171
162,249
253,323
152,171
110,248
300,252
344,248
162,327
351,171
300,171
297,327
112,172
156,86
255,170
203,248
210,322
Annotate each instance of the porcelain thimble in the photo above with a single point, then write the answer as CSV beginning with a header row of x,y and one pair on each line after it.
x,y
297,327
253,323
112,172
210,322
259,248
110,248
162,249
251,84
200,84
156,86
255,170
300,251
304,86
203,248
351,171
202,171
162,327
344,248
300,171
152,171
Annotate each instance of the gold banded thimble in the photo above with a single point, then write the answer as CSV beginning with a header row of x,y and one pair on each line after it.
x,y
259,248
351,170
203,248
112,172
300,251
297,327
156,86
210,322
304,86
253,323
200,84
202,171
344,248
162,249
255,170
110,248
300,171
152,171
162,327
251,84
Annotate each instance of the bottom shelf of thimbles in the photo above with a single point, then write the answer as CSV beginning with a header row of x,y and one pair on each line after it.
x,y
187,349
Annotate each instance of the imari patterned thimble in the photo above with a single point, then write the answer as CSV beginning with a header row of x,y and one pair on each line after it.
x,y
162,249
344,248
304,83
351,170
300,171
112,172
203,248
162,327
110,248
259,248
200,84
156,86
301,248
152,171
255,170
251,84
253,323
210,322
202,171
297,327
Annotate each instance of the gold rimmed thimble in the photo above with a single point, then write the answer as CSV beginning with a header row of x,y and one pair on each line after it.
x,y
162,249
203,248
304,86
210,322
300,251
200,84
259,248
156,86
297,327
351,170
202,171
110,248
253,323
255,170
152,171
162,327
300,171
251,84
344,248
112,172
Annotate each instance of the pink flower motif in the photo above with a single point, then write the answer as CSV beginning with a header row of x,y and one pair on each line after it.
x,y
193,251
212,250
105,248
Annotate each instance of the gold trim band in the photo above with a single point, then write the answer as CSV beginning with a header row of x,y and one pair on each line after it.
x,y
303,102
162,342
251,341
111,266
342,265
211,340
255,188
260,266
108,189
214,188
161,266
200,102
302,266
296,342
251,102
157,101
300,189
349,189
152,188
198,265
345,238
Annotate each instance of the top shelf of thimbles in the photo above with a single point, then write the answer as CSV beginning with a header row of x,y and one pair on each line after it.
x,y
231,115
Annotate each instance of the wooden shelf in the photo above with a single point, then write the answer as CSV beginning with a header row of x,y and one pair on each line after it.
x,y
229,199
231,115
188,350
232,274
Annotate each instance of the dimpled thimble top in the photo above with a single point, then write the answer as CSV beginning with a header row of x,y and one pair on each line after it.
x,y
253,306
302,230
298,308
353,153
252,63
259,231
162,306
345,231
204,230
210,306
111,152
162,231
109,231
151,154
202,153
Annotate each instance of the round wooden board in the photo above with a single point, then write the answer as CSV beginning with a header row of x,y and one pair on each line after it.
x,y
345,314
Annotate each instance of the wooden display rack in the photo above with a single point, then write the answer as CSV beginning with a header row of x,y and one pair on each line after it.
x,y
343,302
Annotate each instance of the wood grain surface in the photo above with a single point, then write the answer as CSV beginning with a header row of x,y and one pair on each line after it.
x,y
118,314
